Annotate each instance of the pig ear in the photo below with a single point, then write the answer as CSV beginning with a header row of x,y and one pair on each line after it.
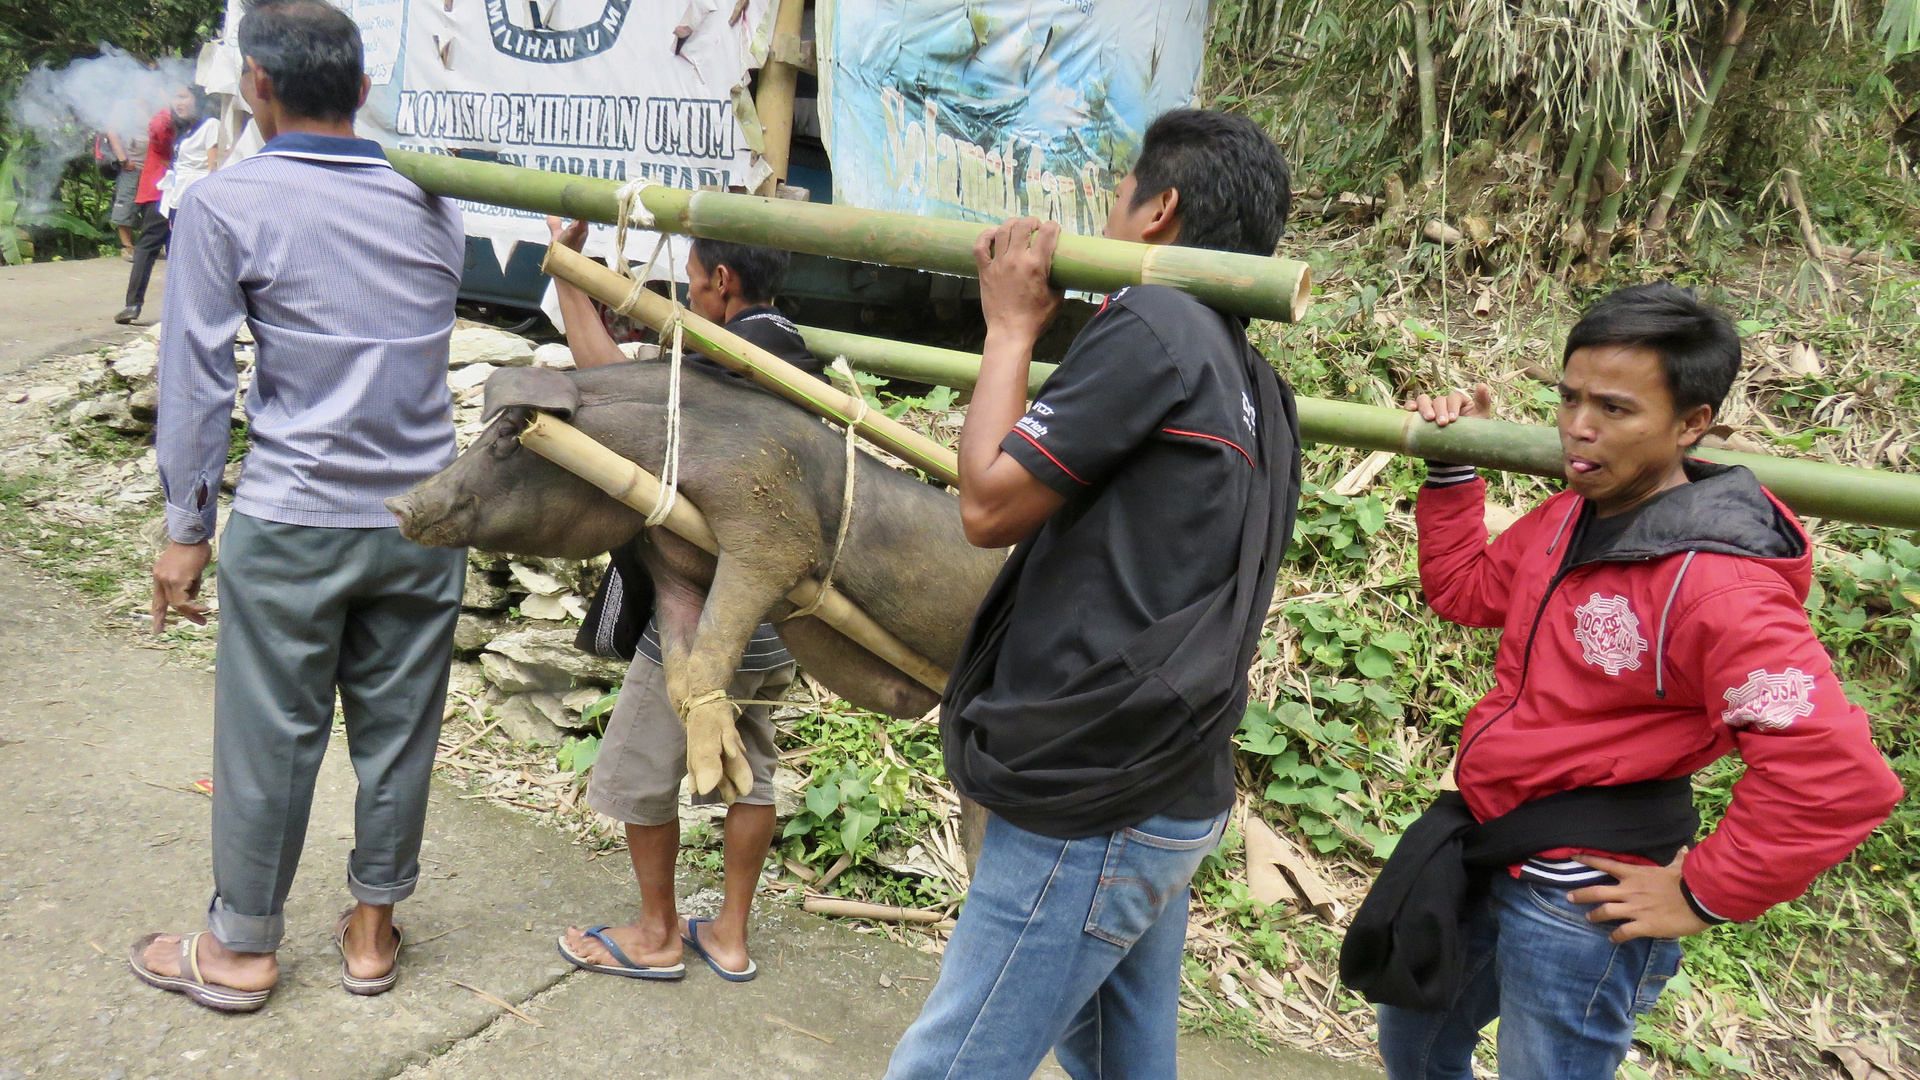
x,y
544,389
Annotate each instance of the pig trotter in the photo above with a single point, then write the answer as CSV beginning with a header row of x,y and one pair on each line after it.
x,y
715,755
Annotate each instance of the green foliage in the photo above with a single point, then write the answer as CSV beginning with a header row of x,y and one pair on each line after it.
x,y
53,32
578,755
867,798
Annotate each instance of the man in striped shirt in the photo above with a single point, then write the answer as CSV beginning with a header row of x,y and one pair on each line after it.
x,y
346,274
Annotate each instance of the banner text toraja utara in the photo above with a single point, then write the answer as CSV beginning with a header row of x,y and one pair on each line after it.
x,y
989,183
673,127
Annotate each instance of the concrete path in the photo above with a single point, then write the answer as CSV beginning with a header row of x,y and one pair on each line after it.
x,y
57,309
100,743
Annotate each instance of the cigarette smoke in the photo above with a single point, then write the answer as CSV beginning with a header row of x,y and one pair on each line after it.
x,y
62,108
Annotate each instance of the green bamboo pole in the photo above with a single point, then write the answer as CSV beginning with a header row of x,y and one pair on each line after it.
x,y
1253,285
1730,38
1812,488
1429,96
1569,166
1614,192
736,353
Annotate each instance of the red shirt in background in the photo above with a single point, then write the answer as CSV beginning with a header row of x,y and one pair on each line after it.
x,y
159,156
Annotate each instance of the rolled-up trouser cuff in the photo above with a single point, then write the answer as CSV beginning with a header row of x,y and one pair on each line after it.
x,y
380,894
245,933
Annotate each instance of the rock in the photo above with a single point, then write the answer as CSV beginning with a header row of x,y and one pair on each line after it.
x,y
484,345
486,560
137,363
17,397
579,700
517,678
537,582
110,411
97,381
525,720
537,606
470,378
789,792
472,632
230,476
553,355
145,403
468,678
483,593
551,647
48,394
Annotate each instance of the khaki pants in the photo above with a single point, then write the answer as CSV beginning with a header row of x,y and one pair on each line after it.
x,y
636,778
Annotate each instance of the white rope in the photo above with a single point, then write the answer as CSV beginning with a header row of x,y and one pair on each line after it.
x,y
841,368
634,211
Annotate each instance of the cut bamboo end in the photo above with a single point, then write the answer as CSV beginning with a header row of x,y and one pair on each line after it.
x,y
579,453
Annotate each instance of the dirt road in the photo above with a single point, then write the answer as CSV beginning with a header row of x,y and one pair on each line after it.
x,y
101,742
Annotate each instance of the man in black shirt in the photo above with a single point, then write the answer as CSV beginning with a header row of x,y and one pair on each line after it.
x,y
636,778
1151,489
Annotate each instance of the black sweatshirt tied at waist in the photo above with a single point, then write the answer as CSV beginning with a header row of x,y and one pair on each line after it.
x,y
1406,946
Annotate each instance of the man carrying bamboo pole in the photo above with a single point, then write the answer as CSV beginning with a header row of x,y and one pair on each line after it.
x,y
1652,622
347,274
1151,489
636,778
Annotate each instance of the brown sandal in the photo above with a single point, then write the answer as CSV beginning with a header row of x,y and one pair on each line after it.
x,y
366,987
190,982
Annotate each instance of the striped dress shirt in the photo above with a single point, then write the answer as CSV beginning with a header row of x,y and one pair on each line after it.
x,y
346,273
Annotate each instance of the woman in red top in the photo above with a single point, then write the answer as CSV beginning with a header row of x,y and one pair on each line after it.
x,y
188,108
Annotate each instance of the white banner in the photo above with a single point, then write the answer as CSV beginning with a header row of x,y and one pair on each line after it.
x,y
615,89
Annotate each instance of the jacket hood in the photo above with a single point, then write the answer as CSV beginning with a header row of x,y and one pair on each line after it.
x,y
1724,509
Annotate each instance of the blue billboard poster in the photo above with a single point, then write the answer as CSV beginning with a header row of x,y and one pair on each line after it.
x,y
981,110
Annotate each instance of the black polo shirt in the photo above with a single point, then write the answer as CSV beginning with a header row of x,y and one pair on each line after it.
x,y
1149,429
765,326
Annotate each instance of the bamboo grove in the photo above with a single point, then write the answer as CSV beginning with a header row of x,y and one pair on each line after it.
x,y
1548,134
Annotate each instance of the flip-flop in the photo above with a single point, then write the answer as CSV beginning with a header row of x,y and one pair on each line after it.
x,y
626,969
692,938
353,984
190,982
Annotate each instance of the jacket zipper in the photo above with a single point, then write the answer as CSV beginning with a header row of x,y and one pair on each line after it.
x,y
1526,665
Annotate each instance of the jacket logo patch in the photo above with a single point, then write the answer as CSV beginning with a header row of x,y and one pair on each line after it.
x,y
1769,702
1247,412
1609,634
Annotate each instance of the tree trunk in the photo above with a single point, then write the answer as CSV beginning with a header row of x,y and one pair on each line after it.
x,y
1736,29
1429,97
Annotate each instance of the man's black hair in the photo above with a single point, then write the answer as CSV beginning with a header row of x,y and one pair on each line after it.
x,y
758,269
1698,346
311,50
1232,179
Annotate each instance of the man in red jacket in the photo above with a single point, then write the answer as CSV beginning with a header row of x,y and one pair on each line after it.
x,y
1652,622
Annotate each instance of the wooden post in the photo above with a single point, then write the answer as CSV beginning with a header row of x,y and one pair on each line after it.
x,y
775,102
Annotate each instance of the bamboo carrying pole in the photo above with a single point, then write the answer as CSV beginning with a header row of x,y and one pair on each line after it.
x,y
1252,285
1812,488
732,351
578,453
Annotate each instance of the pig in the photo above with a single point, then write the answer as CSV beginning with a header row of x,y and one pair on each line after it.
x,y
770,478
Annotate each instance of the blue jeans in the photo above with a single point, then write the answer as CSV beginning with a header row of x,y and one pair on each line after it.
x,y
1565,994
1069,945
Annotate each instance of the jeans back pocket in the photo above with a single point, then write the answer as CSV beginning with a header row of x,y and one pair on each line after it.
x,y
1147,865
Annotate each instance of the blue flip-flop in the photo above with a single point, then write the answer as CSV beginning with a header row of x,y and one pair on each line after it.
x,y
692,938
628,968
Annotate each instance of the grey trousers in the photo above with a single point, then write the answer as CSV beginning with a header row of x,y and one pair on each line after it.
x,y
305,611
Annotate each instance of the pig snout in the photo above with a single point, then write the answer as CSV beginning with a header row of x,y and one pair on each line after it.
x,y
431,519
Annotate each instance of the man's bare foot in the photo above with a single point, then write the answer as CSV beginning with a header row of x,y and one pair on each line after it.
x,y
218,964
727,945
369,946
645,943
